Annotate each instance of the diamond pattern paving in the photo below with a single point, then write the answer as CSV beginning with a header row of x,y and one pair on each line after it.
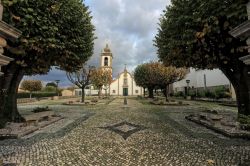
x,y
124,129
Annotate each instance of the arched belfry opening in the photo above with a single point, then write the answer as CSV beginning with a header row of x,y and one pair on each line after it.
x,y
106,61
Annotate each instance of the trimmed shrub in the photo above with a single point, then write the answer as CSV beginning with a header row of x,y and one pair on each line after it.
x,y
209,94
49,89
192,93
200,94
179,94
222,92
36,95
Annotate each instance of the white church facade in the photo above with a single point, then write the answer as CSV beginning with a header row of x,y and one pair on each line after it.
x,y
124,84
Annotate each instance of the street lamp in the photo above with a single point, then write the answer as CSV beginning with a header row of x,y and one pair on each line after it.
x,y
187,81
57,82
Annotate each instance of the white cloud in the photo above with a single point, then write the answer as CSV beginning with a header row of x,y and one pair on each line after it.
x,y
129,27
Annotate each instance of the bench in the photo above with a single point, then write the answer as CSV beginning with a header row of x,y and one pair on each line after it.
x,y
37,117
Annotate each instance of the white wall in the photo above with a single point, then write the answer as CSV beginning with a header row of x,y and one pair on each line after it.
x,y
117,85
213,78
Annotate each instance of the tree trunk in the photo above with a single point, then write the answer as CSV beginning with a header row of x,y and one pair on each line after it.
x,y
151,92
83,94
2,96
12,78
241,83
166,92
144,94
243,92
100,92
243,100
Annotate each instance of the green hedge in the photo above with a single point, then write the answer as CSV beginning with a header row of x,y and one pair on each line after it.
x,y
36,94
179,94
218,92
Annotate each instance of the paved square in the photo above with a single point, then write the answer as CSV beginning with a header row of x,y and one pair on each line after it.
x,y
168,139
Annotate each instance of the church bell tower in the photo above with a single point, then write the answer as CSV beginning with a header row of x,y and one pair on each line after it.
x,y
106,59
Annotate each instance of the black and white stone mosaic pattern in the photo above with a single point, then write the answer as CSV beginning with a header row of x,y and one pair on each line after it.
x,y
124,129
168,140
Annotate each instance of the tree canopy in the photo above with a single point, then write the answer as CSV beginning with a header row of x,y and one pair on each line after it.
x,y
51,84
100,78
195,33
31,85
155,75
81,78
54,33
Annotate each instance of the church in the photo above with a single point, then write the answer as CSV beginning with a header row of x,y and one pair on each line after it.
x,y
124,84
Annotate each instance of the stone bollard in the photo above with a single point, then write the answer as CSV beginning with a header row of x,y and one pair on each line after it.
x,y
125,101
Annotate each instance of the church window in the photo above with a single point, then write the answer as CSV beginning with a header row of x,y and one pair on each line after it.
x,y
113,91
125,81
106,61
136,91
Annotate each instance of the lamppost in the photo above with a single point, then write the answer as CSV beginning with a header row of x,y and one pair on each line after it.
x,y
57,82
187,81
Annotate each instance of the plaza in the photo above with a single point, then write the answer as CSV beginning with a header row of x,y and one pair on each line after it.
x,y
164,137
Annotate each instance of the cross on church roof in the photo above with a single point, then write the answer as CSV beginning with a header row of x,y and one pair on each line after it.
x,y
107,49
125,68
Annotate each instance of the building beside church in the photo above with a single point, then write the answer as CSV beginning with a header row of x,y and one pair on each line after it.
x,y
200,80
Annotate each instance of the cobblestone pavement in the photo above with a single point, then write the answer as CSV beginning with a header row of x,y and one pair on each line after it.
x,y
133,135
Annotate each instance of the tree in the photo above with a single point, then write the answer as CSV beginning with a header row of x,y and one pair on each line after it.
x,y
145,76
169,75
195,33
72,88
100,78
81,78
50,89
54,33
154,74
31,86
51,84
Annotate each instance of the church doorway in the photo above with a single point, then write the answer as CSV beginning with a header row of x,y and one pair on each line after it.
x,y
125,91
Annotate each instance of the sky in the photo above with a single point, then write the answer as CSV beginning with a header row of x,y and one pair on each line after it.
x,y
127,26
